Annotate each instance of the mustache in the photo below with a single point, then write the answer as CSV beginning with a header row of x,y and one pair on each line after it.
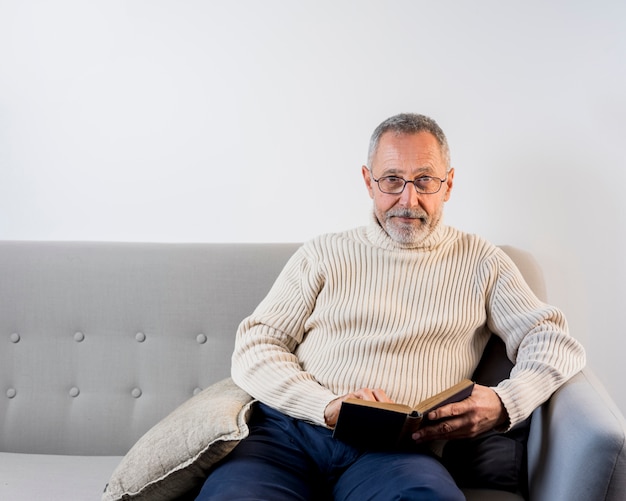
x,y
407,213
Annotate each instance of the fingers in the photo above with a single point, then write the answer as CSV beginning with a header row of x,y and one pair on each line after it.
x,y
377,395
331,413
446,429
480,412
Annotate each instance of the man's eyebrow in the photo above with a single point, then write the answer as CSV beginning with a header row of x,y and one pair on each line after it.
x,y
421,171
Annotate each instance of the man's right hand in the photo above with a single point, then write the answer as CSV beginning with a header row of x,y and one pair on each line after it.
x,y
331,413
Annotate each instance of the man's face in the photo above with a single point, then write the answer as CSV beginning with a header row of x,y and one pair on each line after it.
x,y
408,217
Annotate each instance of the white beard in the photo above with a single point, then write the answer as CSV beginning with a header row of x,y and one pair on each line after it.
x,y
408,233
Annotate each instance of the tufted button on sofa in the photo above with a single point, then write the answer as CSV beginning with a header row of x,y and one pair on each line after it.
x,y
100,341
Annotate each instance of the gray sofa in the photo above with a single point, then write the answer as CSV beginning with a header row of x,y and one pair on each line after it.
x,y
100,341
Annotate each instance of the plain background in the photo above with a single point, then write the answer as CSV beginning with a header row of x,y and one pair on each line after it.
x,y
248,121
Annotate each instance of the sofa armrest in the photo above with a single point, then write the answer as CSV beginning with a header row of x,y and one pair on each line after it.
x,y
576,445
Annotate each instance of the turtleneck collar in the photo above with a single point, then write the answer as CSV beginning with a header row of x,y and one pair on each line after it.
x,y
379,237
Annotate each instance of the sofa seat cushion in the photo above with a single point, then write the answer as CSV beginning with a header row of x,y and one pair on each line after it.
x,y
176,454
26,477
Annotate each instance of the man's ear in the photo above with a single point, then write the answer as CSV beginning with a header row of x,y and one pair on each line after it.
x,y
449,184
367,177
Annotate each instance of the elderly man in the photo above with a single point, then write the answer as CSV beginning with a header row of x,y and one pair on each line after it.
x,y
397,310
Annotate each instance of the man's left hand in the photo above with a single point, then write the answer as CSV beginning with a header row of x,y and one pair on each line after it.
x,y
482,411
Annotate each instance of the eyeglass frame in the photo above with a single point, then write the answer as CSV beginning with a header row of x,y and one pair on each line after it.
x,y
406,181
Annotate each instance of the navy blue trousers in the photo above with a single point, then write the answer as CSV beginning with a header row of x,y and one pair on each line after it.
x,y
287,459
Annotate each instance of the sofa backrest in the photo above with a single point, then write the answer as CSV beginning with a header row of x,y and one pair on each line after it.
x,y
99,341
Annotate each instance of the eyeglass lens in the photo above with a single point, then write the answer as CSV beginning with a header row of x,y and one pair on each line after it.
x,y
395,185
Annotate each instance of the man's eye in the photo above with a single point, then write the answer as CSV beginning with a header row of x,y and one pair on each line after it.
x,y
394,179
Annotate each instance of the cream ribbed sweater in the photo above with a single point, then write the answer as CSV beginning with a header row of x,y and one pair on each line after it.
x,y
356,309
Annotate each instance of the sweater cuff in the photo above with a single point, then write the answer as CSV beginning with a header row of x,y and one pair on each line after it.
x,y
513,402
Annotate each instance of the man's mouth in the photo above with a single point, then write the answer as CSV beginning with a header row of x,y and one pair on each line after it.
x,y
408,217
405,219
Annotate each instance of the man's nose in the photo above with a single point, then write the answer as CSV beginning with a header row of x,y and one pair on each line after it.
x,y
409,197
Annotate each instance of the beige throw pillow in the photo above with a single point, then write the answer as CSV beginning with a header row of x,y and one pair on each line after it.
x,y
175,455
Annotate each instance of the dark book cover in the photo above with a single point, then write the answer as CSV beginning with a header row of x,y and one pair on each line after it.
x,y
380,425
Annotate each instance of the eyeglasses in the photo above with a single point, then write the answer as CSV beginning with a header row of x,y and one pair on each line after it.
x,y
394,185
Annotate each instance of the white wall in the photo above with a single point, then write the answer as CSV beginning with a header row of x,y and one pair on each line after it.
x,y
119,118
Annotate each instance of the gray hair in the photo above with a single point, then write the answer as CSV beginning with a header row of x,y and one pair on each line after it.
x,y
409,123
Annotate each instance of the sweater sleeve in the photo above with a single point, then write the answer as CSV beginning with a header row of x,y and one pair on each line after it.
x,y
537,340
264,362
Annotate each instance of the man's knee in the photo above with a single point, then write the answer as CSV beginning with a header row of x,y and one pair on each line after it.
x,y
239,481
397,477
440,492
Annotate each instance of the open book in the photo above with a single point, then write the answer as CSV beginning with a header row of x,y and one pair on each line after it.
x,y
381,425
